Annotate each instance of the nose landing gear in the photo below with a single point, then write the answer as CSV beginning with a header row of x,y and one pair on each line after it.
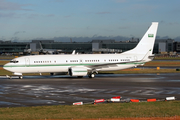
x,y
10,77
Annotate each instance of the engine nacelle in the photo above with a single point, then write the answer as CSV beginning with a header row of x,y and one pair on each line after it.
x,y
77,71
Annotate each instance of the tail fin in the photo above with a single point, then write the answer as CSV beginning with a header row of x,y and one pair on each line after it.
x,y
147,42
41,48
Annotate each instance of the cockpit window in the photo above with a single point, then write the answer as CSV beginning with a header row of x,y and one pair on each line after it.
x,y
14,61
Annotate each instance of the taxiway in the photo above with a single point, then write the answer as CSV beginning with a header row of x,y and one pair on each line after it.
x,y
64,90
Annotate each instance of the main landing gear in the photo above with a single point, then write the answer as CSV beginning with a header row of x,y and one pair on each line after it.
x,y
92,74
20,77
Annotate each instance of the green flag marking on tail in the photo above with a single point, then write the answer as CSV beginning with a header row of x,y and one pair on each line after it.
x,y
150,35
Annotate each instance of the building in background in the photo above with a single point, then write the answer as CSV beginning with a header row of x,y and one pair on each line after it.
x,y
176,46
164,45
100,46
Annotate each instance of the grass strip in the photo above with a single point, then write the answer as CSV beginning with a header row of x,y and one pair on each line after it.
x,y
111,110
7,57
3,62
163,63
167,58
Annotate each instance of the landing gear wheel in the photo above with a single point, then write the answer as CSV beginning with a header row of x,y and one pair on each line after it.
x,y
20,77
91,75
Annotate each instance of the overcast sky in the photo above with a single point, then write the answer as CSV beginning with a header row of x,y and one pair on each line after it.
x,y
22,20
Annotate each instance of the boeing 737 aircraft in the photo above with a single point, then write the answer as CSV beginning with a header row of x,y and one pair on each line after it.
x,y
86,64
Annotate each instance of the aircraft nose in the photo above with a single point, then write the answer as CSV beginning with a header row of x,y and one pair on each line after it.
x,y
6,66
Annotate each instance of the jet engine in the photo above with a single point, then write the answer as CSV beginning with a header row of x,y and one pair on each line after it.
x,y
77,71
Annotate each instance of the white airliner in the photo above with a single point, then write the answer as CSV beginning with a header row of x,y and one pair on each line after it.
x,y
86,64
48,51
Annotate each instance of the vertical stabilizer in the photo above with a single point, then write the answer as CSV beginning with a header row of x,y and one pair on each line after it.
x,y
147,42
41,48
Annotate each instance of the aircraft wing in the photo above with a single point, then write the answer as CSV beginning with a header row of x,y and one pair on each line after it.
x,y
107,65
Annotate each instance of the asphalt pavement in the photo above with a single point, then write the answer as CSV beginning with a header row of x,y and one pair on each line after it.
x,y
64,90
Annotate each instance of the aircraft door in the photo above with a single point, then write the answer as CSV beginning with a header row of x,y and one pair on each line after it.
x,y
27,62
